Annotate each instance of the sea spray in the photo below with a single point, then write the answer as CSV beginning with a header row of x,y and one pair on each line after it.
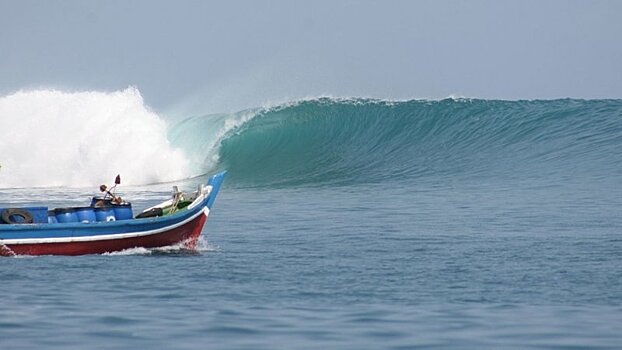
x,y
56,138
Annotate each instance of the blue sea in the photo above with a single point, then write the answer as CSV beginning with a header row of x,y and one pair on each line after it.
x,y
351,224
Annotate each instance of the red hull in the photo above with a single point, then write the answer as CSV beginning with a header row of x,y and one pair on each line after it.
x,y
187,233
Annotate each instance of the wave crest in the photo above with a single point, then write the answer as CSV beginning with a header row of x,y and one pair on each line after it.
x,y
349,141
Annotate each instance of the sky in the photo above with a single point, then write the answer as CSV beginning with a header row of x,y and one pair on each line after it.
x,y
222,56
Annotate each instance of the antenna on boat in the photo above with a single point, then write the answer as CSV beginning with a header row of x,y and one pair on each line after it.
x,y
117,181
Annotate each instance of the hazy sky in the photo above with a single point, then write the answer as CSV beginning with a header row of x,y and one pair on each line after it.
x,y
205,56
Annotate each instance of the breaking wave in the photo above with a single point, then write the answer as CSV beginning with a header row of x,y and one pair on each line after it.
x,y
329,141
53,138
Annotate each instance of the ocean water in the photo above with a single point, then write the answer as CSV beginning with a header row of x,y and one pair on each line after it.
x,y
343,223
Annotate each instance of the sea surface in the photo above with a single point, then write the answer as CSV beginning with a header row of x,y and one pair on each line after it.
x,y
344,224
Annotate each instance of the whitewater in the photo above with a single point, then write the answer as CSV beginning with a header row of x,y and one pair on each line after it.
x,y
359,223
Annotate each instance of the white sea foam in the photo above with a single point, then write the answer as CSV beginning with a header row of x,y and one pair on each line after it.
x,y
56,138
131,251
179,248
204,246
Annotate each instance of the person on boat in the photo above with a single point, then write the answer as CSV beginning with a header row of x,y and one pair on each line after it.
x,y
114,198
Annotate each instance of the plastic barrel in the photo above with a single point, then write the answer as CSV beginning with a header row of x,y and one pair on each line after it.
x,y
123,211
39,214
52,217
64,215
104,214
85,214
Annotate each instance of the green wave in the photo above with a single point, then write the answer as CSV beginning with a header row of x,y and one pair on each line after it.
x,y
329,141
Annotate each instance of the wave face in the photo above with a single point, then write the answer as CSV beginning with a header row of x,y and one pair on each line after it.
x,y
54,138
342,142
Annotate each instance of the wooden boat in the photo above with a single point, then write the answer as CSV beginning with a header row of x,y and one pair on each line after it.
x,y
108,225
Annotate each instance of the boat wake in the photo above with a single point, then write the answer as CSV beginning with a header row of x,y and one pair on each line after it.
x,y
179,249
6,251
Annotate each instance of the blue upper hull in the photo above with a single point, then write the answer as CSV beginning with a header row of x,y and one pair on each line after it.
x,y
44,231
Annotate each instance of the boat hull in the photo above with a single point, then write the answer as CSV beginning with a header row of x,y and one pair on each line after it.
x,y
181,228
187,234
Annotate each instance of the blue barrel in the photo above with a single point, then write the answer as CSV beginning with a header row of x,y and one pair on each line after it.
x,y
52,217
39,214
64,215
104,214
123,211
85,214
